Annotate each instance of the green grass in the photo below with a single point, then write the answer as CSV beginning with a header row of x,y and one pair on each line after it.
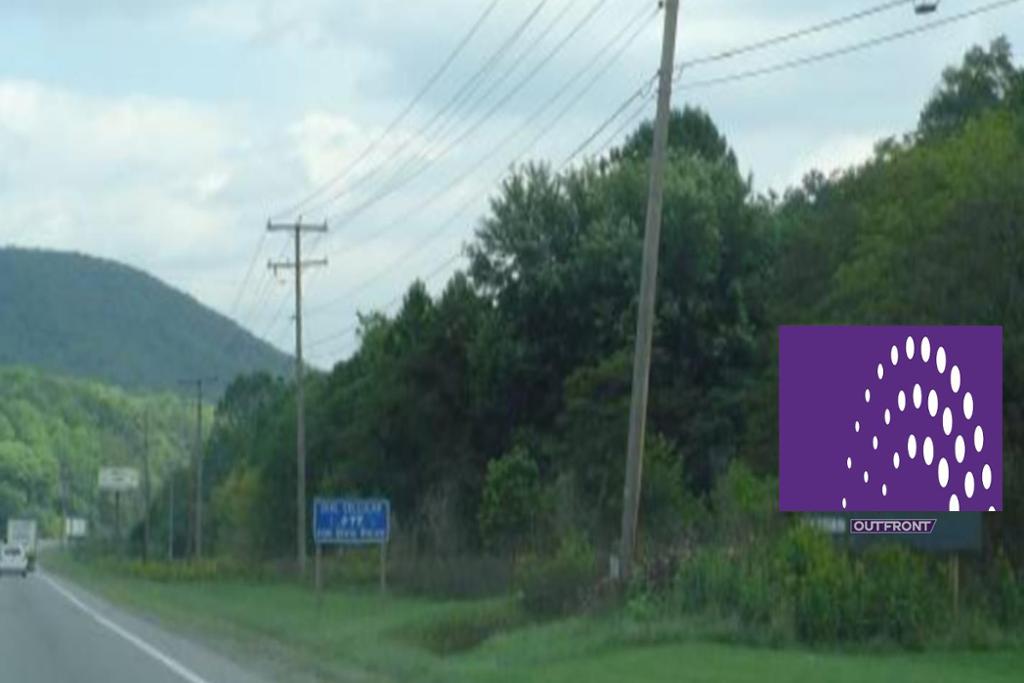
x,y
367,637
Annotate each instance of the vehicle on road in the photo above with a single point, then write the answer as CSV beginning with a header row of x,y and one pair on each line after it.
x,y
13,560
24,533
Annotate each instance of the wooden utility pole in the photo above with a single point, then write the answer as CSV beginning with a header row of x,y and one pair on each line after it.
x,y
648,287
64,501
197,548
297,265
117,521
145,487
170,518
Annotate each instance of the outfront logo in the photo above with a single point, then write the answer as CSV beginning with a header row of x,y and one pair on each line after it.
x,y
890,418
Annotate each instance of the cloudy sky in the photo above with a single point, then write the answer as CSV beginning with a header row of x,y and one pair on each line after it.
x,y
164,133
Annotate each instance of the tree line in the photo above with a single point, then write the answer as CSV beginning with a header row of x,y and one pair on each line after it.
x,y
494,414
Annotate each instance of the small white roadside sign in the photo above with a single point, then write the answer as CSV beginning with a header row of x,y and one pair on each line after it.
x,y
118,479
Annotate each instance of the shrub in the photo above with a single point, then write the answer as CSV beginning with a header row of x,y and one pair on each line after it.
x,y
557,585
1008,593
350,566
888,593
804,585
708,579
820,583
745,507
901,599
747,586
511,498
457,576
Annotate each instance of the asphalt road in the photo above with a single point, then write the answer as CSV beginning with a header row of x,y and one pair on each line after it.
x,y
53,632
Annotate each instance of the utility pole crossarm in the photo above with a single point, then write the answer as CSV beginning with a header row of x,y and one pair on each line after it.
x,y
298,225
288,265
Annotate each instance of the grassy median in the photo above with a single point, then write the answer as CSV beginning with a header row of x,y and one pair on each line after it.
x,y
363,636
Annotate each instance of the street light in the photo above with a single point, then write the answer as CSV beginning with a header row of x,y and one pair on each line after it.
x,y
925,6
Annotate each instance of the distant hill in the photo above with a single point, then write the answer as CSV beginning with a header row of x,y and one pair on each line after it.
x,y
90,317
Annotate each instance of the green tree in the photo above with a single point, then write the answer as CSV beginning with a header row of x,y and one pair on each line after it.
x,y
987,79
510,502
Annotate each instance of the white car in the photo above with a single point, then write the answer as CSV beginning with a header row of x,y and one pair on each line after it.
x,y
13,560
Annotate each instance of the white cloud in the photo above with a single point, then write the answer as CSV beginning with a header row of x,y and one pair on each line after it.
x,y
837,152
132,178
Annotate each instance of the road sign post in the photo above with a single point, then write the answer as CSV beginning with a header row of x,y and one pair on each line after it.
x,y
118,480
383,568
319,579
352,521
117,520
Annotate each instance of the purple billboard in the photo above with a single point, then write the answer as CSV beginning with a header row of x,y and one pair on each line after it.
x,y
890,419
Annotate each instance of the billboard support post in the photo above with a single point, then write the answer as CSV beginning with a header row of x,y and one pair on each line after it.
x,y
954,580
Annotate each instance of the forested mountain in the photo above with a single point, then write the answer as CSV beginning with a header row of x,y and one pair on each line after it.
x,y
89,317
55,434
500,407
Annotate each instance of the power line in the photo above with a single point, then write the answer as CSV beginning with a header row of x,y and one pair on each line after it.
x,y
524,126
436,234
445,226
517,61
845,50
234,336
744,49
262,293
472,84
450,110
792,35
373,199
438,270
619,130
466,90
536,115
457,255
419,245
639,94
434,78
818,57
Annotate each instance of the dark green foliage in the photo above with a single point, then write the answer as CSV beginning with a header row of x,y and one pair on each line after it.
x,y
452,576
557,584
1007,598
986,80
88,317
800,582
691,130
510,502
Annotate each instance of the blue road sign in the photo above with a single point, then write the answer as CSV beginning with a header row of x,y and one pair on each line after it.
x,y
351,520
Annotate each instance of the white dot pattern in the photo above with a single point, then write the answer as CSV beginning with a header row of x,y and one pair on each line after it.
x,y
932,398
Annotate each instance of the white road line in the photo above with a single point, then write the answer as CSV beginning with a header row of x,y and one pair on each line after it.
x,y
169,662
